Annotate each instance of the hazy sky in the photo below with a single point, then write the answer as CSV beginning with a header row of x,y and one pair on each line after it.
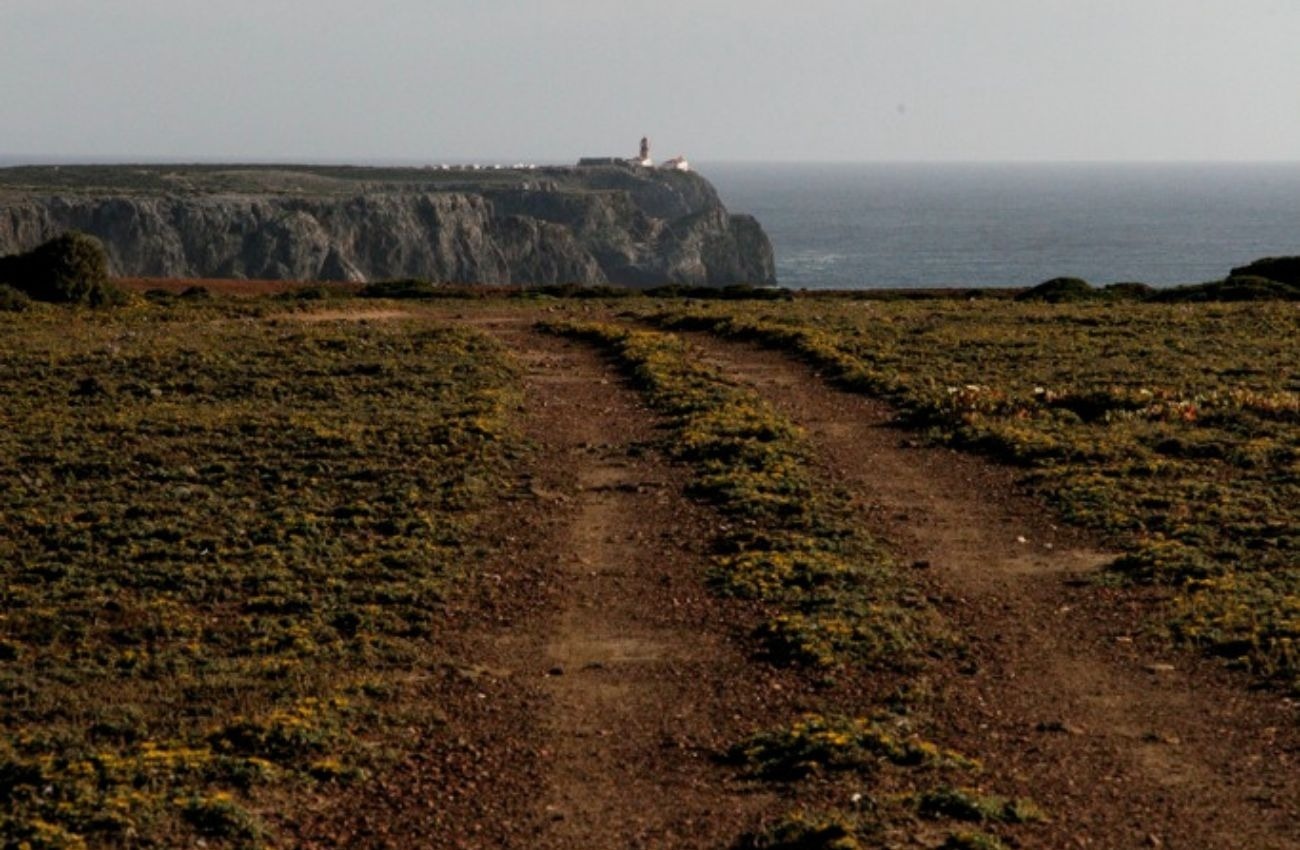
x,y
549,80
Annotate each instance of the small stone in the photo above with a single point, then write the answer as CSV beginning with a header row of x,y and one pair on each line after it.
x,y
1160,667
1020,538
1060,726
1162,738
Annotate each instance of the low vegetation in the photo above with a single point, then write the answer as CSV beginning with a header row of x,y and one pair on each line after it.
x,y
229,537
225,551
830,593
815,743
1279,269
1243,287
1170,429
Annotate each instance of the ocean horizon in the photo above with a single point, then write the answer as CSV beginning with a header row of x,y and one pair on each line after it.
x,y
913,225
927,225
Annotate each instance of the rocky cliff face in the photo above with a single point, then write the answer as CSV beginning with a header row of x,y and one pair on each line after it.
x,y
636,227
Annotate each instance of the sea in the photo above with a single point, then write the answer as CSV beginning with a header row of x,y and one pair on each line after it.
x,y
889,225
866,226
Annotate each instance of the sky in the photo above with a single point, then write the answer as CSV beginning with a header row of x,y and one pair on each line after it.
x,y
717,80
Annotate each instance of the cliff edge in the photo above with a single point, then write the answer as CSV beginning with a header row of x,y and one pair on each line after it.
x,y
585,225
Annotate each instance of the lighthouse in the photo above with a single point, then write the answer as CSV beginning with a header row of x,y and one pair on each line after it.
x,y
643,159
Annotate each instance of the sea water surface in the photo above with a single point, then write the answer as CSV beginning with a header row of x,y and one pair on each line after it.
x,y
976,225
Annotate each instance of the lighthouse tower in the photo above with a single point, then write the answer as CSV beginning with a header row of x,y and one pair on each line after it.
x,y
644,159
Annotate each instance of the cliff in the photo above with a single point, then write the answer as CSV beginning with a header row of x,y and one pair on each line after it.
x,y
611,224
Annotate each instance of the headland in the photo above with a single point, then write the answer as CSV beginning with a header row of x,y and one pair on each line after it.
x,y
617,223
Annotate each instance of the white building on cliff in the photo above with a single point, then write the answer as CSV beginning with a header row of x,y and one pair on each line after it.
x,y
641,160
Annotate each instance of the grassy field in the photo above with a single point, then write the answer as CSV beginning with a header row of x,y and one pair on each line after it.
x,y
1170,429
225,544
229,536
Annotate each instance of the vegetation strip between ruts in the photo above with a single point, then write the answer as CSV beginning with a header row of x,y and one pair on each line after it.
x,y
1189,461
225,548
831,595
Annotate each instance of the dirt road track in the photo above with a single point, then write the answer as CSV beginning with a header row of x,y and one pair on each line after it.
x,y
594,676
1123,743
640,686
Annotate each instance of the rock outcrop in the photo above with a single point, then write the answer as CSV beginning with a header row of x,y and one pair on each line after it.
x,y
630,226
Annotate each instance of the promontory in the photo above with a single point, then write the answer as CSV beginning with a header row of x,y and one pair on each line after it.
x,y
611,223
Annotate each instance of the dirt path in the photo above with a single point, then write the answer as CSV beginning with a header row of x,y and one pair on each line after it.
x,y
590,678
1063,693
640,678
590,675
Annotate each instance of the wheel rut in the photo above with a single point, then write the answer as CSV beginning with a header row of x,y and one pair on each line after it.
x,y
639,677
1062,692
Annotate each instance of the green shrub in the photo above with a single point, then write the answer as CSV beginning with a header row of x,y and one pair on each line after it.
x,y
415,288
219,816
406,288
802,831
317,292
574,290
816,744
13,300
1235,288
731,292
1280,269
967,805
1127,291
972,841
70,269
1059,290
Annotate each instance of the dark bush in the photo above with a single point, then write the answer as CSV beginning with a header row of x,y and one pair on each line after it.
x,y
1128,291
12,300
405,288
69,269
1252,288
730,292
1246,288
1281,269
1059,290
316,292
